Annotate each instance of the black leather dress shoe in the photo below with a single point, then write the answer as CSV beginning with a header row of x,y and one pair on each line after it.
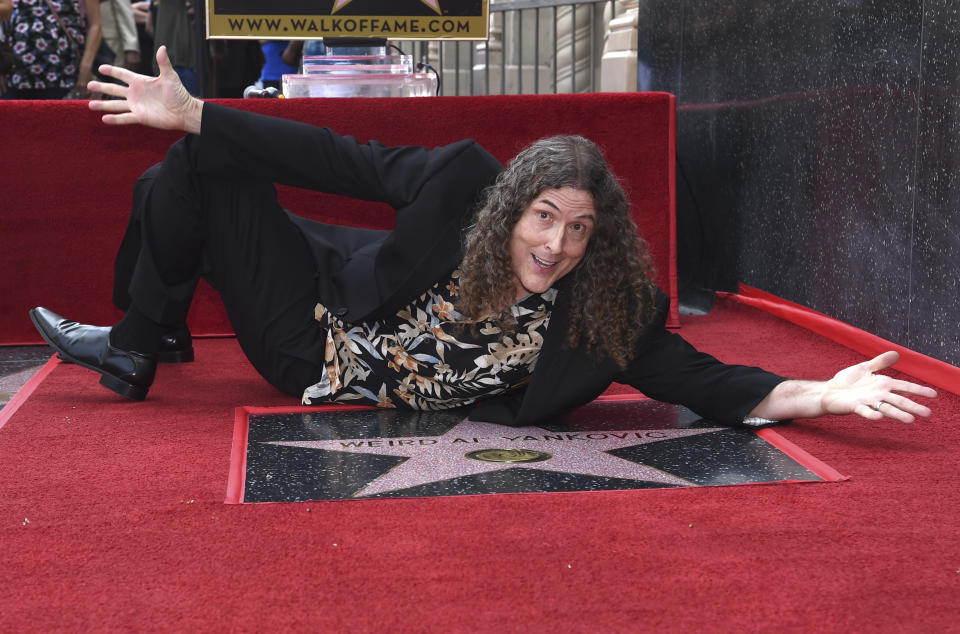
x,y
127,373
176,346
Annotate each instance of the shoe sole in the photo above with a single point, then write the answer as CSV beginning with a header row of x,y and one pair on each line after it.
x,y
175,356
172,356
121,387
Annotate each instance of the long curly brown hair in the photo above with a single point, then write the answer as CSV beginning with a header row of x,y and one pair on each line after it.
x,y
611,289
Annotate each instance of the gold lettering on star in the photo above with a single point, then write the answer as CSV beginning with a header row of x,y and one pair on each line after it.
x,y
433,4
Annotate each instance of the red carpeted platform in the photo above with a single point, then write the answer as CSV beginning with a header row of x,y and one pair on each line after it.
x,y
111,518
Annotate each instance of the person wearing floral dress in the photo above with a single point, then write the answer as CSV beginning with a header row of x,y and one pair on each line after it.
x,y
55,55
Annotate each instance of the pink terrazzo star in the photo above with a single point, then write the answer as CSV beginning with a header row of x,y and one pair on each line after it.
x,y
438,458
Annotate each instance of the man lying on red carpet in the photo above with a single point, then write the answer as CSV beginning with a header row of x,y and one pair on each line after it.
x,y
522,293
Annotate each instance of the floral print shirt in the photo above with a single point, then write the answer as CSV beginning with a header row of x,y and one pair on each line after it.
x,y
46,57
428,356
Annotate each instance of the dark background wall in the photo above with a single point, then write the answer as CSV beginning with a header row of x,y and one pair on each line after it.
x,y
819,155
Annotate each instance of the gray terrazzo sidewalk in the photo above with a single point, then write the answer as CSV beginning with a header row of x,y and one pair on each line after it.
x,y
18,364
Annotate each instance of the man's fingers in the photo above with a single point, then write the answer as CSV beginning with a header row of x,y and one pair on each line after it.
x,y
110,105
892,406
107,69
906,387
883,361
117,72
163,61
904,404
892,411
127,118
867,412
114,90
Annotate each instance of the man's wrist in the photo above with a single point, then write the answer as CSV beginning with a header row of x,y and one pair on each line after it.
x,y
793,399
193,119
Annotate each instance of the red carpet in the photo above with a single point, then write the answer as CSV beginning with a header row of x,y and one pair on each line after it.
x,y
112,518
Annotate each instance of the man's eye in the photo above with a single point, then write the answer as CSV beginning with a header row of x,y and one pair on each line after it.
x,y
544,215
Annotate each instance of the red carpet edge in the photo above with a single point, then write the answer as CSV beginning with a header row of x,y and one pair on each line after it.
x,y
920,366
24,393
807,460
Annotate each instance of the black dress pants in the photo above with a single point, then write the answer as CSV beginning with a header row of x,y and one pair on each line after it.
x,y
235,234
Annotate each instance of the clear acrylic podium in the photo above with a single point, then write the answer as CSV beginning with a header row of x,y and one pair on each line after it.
x,y
359,76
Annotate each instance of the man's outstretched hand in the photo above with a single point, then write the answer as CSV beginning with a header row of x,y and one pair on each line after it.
x,y
858,389
157,102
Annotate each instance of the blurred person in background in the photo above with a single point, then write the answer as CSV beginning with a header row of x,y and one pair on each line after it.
x,y
120,32
234,65
281,57
7,58
55,43
143,16
174,28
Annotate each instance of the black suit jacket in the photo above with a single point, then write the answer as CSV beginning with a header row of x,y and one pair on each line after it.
x,y
366,274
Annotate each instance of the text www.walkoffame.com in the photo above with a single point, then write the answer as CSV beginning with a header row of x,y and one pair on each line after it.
x,y
351,26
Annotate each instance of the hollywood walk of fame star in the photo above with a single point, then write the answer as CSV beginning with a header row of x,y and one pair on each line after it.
x,y
433,4
438,458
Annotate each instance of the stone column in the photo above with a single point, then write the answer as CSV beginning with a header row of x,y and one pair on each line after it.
x,y
574,24
488,57
456,77
618,66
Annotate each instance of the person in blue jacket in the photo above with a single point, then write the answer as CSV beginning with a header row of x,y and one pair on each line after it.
x,y
279,59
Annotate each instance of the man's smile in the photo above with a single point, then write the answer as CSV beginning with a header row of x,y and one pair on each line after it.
x,y
543,263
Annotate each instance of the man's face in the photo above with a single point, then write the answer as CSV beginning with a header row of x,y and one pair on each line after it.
x,y
550,238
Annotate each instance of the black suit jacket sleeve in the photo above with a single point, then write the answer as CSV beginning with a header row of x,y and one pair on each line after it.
x,y
236,143
667,368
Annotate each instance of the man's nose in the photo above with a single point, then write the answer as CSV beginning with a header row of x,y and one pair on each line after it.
x,y
555,239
